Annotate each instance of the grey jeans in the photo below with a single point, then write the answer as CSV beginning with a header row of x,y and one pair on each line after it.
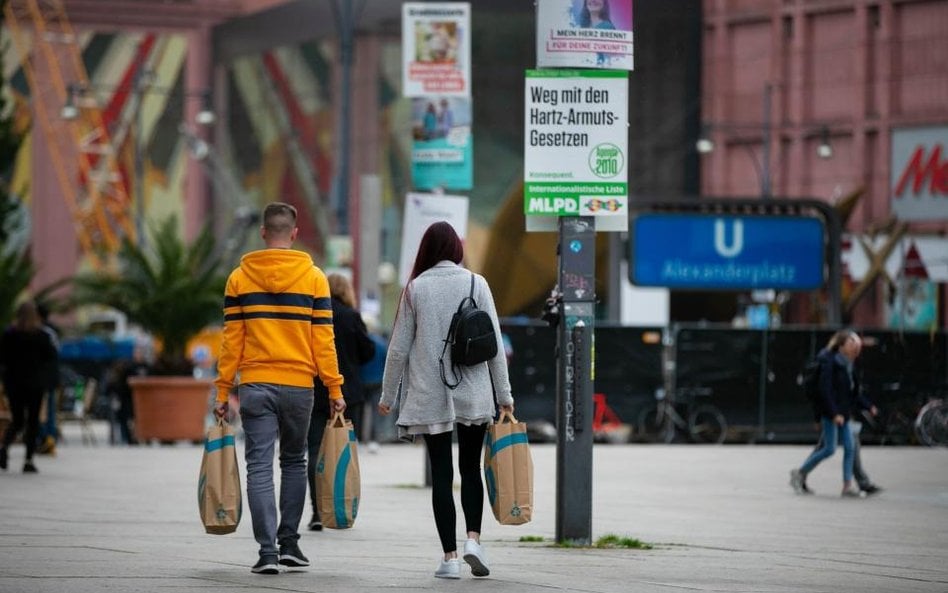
x,y
270,412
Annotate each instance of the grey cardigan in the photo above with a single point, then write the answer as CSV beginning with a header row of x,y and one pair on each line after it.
x,y
421,325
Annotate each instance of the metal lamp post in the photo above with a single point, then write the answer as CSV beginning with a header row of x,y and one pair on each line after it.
x,y
705,145
140,86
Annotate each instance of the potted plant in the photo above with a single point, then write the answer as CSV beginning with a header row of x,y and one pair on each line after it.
x,y
172,290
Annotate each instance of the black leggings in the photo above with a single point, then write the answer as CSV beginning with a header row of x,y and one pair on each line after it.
x,y
470,447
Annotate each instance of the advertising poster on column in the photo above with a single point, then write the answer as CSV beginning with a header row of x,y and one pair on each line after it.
x,y
436,49
576,143
421,211
584,34
442,152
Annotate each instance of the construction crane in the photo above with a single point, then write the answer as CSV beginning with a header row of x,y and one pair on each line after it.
x,y
81,149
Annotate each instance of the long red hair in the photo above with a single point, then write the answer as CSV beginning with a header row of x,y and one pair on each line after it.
x,y
440,242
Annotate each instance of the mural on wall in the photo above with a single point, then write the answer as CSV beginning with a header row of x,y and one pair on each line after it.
x,y
277,140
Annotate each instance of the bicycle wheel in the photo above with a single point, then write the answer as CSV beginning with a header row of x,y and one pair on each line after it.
x,y
931,424
648,426
706,424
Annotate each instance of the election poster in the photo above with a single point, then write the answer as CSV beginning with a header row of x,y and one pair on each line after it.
x,y
421,211
436,49
584,34
576,143
442,154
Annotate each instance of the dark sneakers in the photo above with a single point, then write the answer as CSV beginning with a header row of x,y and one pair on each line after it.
x,y
315,524
3,458
29,468
290,555
266,565
870,489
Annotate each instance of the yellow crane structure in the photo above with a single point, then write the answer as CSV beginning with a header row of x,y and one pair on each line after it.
x,y
80,147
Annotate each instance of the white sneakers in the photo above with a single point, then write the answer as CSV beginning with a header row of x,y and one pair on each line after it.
x,y
449,569
474,555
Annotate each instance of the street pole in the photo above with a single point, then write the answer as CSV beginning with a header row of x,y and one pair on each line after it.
x,y
574,385
765,190
139,157
345,23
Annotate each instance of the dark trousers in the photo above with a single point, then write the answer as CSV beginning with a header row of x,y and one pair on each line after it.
x,y
317,426
25,410
470,447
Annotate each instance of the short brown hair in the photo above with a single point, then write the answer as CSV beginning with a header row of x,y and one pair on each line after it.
x,y
279,218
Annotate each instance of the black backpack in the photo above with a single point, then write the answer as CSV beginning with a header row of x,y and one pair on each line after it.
x,y
811,384
471,337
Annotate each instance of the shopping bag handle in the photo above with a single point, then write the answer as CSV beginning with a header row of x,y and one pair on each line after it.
x,y
337,420
508,415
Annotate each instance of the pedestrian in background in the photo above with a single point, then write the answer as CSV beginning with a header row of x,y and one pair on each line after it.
x,y
120,390
49,431
278,335
371,374
838,395
855,427
427,407
26,351
353,349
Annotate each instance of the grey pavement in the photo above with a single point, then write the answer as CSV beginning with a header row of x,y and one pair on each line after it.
x,y
722,518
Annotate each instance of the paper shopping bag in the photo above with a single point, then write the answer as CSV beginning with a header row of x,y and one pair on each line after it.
x,y
337,474
508,471
219,492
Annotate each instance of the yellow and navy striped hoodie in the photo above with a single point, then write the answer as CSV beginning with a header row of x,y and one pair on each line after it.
x,y
278,324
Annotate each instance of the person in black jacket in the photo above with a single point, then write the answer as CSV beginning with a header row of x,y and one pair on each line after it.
x,y
354,348
839,395
25,353
858,404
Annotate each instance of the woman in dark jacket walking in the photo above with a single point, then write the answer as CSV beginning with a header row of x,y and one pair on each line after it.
x,y
354,348
839,394
25,353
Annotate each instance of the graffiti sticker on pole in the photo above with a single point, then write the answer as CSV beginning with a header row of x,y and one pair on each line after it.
x,y
436,49
576,143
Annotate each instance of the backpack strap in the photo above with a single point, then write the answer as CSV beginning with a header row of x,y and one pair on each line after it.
x,y
471,296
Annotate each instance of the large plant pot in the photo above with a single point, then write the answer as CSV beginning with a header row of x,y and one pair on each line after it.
x,y
170,408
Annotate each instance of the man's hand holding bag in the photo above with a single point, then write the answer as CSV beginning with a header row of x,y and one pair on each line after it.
x,y
508,471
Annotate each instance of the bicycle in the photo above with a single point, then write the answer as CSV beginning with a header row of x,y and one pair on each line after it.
x,y
705,423
931,424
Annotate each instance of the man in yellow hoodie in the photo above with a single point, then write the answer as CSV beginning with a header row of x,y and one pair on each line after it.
x,y
278,335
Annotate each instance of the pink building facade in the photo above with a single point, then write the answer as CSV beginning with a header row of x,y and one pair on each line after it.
x,y
795,74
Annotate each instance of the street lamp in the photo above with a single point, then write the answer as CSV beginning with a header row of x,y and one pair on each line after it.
x,y
76,94
70,109
704,144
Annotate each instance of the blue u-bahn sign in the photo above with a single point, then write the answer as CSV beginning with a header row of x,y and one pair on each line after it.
x,y
707,251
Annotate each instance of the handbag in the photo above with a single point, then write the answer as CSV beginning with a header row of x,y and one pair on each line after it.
x,y
337,474
219,491
508,470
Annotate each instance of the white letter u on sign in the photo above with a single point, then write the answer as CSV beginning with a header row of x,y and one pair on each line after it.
x,y
737,238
